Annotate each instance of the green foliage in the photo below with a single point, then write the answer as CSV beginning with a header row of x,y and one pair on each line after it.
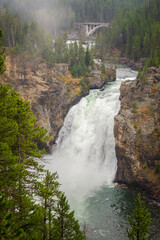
x,y
48,191
139,221
22,179
135,126
30,38
135,31
103,69
99,11
139,131
19,134
58,220
18,142
157,168
75,55
24,36
2,57
134,107
7,226
21,218
65,225
84,85
102,43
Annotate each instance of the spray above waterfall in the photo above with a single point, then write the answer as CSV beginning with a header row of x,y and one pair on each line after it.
x,y
84,155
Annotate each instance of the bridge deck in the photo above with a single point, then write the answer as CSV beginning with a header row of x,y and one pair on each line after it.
x,y
91,23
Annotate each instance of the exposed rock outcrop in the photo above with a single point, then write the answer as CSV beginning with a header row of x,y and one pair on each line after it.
x,y
134,65
137,132
51,90
98,79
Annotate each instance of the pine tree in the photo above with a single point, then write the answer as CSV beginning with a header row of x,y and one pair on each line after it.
x,y
7,225
19,135
8,133
2,57
64,224
48,190
87,57
146,44
26,151
139,221
136,48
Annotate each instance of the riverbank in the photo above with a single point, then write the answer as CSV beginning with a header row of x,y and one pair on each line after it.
x,y
115,57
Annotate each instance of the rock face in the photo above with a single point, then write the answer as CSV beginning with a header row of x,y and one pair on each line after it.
x,y
51,91
131,63
137,132
98,79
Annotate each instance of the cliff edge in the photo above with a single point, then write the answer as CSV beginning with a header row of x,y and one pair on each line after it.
x,y
137,133
51,90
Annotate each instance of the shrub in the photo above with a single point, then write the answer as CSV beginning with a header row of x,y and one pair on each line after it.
x,y
134,107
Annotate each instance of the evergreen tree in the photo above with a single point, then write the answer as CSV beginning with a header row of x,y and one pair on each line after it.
x,y
20,217
139,221
2,57
64,224
135,32
146,44
25,149
7,226
87,57
136,48
48,190
8,133
19,135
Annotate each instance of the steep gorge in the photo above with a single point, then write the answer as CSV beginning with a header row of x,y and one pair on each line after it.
x,y
137,133
51,90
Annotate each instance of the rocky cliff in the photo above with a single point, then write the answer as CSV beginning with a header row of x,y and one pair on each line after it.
x,y
51,90
137,132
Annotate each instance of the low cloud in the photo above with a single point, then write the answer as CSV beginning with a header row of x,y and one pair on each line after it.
x,y
51,14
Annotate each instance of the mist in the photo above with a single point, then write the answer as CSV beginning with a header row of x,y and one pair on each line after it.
x,y
84,154
53,15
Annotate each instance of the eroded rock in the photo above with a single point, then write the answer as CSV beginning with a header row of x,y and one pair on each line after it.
x,y
51,90
137,133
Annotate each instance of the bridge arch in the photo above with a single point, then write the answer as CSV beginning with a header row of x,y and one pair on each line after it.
x,y
89,27
96,28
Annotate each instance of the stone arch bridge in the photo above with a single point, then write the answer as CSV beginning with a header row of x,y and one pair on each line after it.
x,y
90,27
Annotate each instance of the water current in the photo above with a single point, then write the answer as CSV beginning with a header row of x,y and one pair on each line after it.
x,y
84,157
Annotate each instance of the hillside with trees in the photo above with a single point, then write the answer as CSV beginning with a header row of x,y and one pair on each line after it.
x,y
101,11
136,33
28,38
134,30
31,204
64,13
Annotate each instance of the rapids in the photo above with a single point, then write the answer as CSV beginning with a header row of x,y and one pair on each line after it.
x,y
84,157
84,154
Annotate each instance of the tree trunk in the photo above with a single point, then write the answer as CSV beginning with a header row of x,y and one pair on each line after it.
x,y
12,34
45,220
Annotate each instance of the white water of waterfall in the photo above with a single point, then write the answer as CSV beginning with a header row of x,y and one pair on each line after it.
x,y
84,154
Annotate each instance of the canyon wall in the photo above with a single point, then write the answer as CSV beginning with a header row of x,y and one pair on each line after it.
x,y
137,132
51,90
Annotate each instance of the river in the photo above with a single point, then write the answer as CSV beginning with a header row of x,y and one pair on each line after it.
x,y
84,157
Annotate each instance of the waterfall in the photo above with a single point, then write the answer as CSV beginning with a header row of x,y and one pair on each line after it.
x,y
84,154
